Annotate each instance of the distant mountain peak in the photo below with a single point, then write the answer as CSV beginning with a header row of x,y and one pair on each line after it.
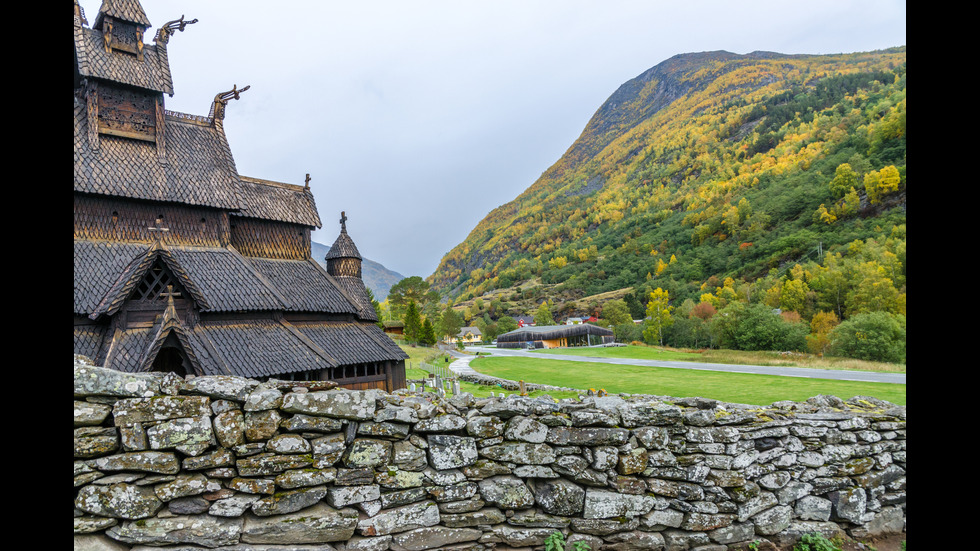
x,y
376,277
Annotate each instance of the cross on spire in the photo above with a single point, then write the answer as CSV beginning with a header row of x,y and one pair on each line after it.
x,y
307,180
170,293
343,221
158,231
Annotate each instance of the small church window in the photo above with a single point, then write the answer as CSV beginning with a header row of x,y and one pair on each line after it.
x,y
154,283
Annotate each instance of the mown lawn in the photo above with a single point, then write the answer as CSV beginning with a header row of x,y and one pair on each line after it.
x,y
730,387
737,357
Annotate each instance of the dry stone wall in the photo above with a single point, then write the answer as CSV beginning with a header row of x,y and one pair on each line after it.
x,y
229,463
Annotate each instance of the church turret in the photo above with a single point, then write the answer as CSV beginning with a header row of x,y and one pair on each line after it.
x,y
343,259
121,79
122,23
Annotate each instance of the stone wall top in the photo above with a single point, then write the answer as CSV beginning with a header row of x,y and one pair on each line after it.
x,y
227,462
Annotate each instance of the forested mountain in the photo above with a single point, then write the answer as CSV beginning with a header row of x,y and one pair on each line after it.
x,y
755,178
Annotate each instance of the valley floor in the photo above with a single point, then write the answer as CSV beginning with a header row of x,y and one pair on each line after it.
x,y
833,374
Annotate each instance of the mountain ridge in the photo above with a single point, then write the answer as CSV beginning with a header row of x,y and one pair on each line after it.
x,y
376,276
672,152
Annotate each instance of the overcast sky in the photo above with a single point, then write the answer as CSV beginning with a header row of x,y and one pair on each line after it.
x,y
418,118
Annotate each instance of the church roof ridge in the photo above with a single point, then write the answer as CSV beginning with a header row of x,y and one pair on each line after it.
x,y
273,183
189,118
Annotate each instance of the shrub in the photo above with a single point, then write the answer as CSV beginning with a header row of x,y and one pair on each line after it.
x,y
815,542
556,542
755,327
627,332
875,336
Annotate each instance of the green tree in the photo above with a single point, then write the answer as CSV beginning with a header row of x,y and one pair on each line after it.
x,y
428,333
377,307
879,183
793,295
658,316
636,307
743,326
876,336
850,205
616,312
871,291
543,315
690,332
488,327
844,179
506,324
413,322
412,288
450,323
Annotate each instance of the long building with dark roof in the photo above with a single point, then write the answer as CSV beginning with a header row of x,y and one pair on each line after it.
x,y
182,264
555,336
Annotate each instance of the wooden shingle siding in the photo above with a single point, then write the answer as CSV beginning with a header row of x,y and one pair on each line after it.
x,y
181,264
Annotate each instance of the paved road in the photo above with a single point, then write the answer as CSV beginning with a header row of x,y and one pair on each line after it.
x,y
840,375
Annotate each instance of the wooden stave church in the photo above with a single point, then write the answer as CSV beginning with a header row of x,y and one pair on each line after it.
x,y
183,265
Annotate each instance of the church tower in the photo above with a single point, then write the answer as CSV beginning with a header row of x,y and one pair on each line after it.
x,y
343,259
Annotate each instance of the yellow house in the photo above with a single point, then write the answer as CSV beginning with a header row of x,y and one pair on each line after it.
x,y
470,335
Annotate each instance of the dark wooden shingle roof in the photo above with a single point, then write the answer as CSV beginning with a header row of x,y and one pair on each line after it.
x,y
277,201
127,349
89,338
307,286
97,268
153,73
199,170
135,271
549,332
353,343
343,247
358,292
218,280
256,348
127,10
227,280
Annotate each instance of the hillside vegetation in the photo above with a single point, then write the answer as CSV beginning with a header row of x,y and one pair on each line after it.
x,y
758,179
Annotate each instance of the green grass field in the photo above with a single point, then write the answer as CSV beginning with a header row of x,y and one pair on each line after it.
x,y
629,352
730,387
737,357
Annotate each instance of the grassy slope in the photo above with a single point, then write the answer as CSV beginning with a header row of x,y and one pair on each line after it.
x,y
731,387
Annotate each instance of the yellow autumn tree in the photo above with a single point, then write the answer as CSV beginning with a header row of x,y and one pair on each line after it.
x,y
820,327
658,316
879,183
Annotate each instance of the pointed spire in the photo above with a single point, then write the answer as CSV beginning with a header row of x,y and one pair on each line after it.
x,y
343,258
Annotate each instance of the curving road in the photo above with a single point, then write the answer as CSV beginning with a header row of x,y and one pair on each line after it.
x,y
805,372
